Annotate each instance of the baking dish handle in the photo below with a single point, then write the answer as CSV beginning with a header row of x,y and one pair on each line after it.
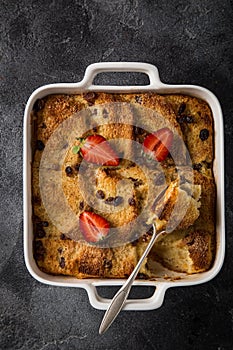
x,y
154,302
94,69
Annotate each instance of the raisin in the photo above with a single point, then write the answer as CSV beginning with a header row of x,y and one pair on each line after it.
x,y
40,233
81,205
138,183
62,236
185,119
189,119
41,223
110,200
38,245
105,113
100,194
90,97
39,250
107,171
60,250
138,99
39,105
95,129
69,170
107,264
62,262
204,134
114,200
40,145
43,126
208,165
132,179
150,231
181,119
181,108
38,256
138,130
145,238
37,199
44,223
94,112
191,242
197,166
118,200
132,201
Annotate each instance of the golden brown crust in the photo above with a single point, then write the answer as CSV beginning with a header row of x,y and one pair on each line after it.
x,y
56,254
201,150
185,251
152,111
82,260
199,247
155,102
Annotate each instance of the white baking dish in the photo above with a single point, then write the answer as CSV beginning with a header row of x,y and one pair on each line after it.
x,y
155,85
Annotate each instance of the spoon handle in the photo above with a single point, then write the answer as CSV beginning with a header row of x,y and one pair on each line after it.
x,y
120,297
113,310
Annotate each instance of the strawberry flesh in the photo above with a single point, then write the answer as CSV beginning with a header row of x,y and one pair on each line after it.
x,y
95,149
94,227
158,144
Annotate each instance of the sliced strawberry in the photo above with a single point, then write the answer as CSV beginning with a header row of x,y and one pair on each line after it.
x,y
95,149
158,144
93,226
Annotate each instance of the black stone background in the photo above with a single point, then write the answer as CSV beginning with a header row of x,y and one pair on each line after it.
x,y
191,42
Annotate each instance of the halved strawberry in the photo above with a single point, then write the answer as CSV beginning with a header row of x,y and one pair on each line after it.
x,y
95,149
158,144
93,226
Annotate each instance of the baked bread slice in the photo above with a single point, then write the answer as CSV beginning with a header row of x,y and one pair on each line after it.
x,y
192,249
79,259
196,122
185,251
152,112
178,207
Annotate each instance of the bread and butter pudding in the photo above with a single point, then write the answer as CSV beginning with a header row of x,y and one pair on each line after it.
x,y
114,194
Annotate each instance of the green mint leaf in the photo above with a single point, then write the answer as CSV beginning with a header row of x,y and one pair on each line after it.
x,y
75,149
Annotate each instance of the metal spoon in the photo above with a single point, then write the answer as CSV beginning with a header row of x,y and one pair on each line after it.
x,y
120,297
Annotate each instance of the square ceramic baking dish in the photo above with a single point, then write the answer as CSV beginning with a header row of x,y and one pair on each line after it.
x,y
155,85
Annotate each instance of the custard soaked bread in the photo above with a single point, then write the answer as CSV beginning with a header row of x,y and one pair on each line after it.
x,y
192,249
108,186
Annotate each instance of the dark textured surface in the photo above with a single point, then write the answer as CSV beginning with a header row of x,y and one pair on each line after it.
x,y
53,41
